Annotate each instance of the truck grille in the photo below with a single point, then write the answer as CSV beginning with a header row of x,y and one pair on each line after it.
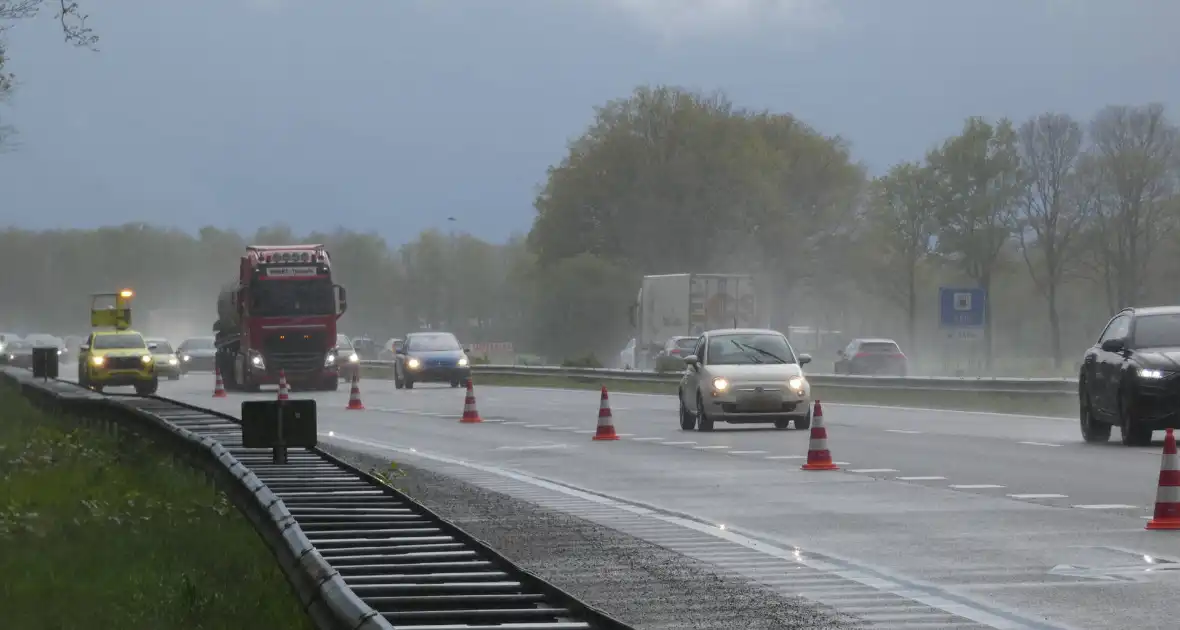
x,y
124,363
293,362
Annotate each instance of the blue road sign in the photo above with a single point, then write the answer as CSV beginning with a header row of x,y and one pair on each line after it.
x,y
961,308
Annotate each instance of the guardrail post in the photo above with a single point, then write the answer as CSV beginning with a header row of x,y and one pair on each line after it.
x,y
278,454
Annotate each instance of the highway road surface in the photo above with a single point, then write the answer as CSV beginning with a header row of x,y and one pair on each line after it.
x,y
939,520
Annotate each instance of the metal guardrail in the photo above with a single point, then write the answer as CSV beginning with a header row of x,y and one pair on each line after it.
x,y
359,554
1052,386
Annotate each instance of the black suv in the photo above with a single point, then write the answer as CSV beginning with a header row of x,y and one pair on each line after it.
x,y
1131,376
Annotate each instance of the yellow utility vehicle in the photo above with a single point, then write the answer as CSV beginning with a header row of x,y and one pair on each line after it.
x,y
119,356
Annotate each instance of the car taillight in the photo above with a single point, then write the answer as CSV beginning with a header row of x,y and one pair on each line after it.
x,y
676,352
861,355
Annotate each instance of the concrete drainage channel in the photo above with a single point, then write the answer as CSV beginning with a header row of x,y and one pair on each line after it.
x,y
360,554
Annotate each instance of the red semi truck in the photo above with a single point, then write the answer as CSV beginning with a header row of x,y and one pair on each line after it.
x,y
280,315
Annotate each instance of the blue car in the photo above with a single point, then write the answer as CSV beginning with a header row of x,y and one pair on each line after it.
x,y
430,357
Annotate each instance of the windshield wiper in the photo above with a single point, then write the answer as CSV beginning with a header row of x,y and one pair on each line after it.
x,y
761,351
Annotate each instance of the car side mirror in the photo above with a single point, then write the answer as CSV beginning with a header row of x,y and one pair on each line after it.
x,y
84,347
804,359
467,350
1114,345
692,361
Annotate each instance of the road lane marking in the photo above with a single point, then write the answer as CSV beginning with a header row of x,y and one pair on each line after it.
x,y
586,431
787,457
513,422
974,486
747,452
1038,444
873,470
678,443
920,478
537,426
1038,496
1106,506
876,580
842,463
906,431
711,447
563,428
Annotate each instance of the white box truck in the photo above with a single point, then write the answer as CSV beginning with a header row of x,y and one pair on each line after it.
x,y
679,304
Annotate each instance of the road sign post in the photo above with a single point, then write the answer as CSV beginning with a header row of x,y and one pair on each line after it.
x,y
961,318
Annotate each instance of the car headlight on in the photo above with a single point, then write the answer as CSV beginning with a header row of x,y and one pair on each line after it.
x,y
186,358
59,352
796,383
173,361
1151,374
354,358
462,361
413,363
720,384
98,361
147,358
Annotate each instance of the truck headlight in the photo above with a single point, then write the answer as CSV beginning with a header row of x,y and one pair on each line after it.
x,y
330,359
413,363
720,384
796,383
462,361
256,361
98,361
147,358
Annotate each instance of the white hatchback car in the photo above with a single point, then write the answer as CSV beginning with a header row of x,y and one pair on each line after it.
x,y
744,376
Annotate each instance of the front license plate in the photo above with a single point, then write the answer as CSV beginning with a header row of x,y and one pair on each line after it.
x,y
762,403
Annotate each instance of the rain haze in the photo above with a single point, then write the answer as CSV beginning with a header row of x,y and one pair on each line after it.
x,y
714,314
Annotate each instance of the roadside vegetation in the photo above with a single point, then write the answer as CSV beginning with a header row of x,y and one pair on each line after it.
x,y
105,532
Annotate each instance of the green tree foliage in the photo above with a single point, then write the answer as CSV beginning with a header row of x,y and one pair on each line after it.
x,y
1062,222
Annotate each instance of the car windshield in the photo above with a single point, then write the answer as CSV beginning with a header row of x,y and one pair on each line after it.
x,y
429,343
162,346
686,343
278,298
122,341
342,341
199,343
879,347
1157,331
748,349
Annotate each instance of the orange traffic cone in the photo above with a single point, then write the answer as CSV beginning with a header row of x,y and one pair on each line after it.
x,y
1167,496
354,394
218,385
818,455
606,424
470,414
284,389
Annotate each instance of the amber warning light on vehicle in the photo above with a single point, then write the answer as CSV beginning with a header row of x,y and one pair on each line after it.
x,y
126,294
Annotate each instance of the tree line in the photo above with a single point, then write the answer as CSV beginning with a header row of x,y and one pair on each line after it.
x,y
1063,221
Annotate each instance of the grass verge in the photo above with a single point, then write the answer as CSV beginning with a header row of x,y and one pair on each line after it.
x,y
105,532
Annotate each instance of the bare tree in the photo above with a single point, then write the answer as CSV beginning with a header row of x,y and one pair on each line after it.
x,y
1136,151
1050,219
69,15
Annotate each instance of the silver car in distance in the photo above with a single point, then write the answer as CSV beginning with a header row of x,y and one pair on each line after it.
x,y
744,375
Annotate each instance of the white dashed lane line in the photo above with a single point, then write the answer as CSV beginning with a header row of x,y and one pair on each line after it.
x,y
906,431
1038,496
1106,506
747,452
648,439
975,486
678,443
873,470
711,447
787,457
921,478
1038,444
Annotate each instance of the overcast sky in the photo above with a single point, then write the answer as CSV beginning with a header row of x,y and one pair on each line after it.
x,y
391,115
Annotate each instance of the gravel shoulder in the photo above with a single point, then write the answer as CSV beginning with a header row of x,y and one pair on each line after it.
x,y
645,585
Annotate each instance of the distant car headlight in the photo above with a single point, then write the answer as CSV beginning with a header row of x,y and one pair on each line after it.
x,y
173,361
462,361
147,358
186,358
796,383
1151,374
98,361
354,358
59,352
413,363
720,384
